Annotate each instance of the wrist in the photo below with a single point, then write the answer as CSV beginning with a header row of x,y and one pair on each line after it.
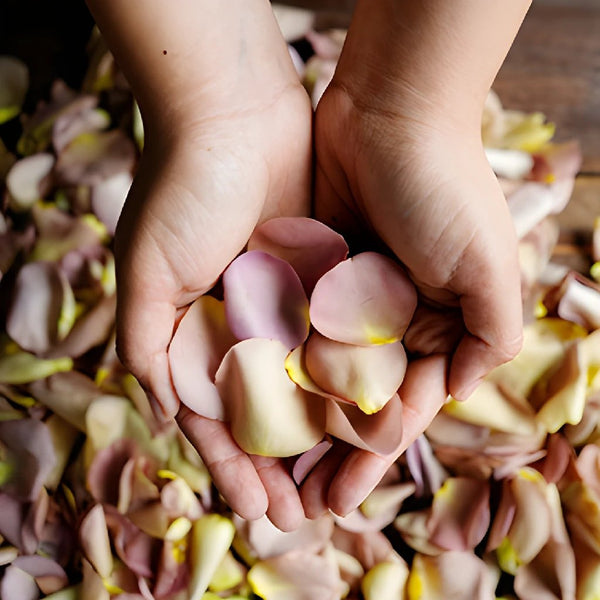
x,y
431,58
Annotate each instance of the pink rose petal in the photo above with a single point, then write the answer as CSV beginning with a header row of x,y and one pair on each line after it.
x,y
47,573
307,460
365,375
380,433
200,343
460,513
264,298
365,300
308,245
270,415
33,319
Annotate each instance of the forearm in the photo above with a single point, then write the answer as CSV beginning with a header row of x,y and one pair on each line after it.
x,y
181,55
442,56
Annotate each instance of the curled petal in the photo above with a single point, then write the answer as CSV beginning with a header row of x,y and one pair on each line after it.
x,y
532,202
200,343
365,375
576,299
25,180
565,392
95,543
380,433
460,513
365,300
211,538
270,415
307,460
309,246
264,298
426,470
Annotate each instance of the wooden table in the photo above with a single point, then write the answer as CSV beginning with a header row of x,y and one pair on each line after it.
x,y
554,67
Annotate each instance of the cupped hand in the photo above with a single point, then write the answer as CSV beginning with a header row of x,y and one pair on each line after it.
x,y
422,190
200,189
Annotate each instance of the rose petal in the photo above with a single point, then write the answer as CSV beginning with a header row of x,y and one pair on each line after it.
x,y
83,118
365,375
41,294
28,444
380,433
264,298
460,513
269,414
514,164
365,300
489,407
211,538
66,394
296,576
307,460
93,535
260,539
533,202
108,198
450,575
92,157
47,573
16,583
385,581
309,246
425,469
198,346
25,180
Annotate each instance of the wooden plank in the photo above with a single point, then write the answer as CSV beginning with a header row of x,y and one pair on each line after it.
x,y
554,67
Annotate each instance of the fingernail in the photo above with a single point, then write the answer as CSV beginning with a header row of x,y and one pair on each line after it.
x,y
157,409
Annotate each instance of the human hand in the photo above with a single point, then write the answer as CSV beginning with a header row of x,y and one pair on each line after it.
x,y
198,193
400,163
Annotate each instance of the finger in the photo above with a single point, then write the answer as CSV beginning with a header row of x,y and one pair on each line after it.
x,y
285,508
144,332
423,393
231,469
492,313
314,490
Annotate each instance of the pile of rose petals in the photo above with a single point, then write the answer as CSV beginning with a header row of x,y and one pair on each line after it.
x,y
283,371
500,497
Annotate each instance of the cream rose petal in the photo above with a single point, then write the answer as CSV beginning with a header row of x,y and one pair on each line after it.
x,y
365,375
270,415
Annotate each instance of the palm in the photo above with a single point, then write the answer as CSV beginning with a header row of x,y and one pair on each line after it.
x,y
191,210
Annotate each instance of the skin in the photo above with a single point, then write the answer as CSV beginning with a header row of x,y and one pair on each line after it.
x,y
228,144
